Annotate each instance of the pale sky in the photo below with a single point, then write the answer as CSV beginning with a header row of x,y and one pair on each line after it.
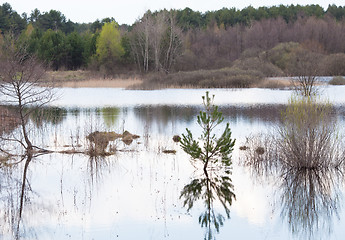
x,y
127,11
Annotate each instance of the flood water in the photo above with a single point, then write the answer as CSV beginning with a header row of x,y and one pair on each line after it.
x,y
140,192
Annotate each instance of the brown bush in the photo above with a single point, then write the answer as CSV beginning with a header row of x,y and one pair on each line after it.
x,y
221,78
337,81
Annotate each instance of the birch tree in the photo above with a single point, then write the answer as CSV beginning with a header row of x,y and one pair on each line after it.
x,y
156,39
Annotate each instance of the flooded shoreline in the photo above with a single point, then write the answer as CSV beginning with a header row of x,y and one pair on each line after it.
x,y
140,186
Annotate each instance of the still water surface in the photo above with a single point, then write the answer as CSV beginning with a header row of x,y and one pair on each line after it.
x,y
137,193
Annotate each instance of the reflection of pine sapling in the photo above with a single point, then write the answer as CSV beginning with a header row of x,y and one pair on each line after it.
x,y
213,147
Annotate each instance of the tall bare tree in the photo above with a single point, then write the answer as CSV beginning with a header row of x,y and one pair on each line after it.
x,y
21,84
139,42
156,39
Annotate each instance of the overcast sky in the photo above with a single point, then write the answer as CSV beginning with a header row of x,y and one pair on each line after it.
x,y
127,11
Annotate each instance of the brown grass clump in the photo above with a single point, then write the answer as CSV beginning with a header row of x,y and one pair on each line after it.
x,y
260,150
128,137
67,76
243,148
169,151
99,141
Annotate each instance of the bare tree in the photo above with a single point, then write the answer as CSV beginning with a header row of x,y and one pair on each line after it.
x,y
139,41
21,84
157,30
156,39
305,65
173,50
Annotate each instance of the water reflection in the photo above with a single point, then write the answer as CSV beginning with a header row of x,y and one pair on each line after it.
x,y
110,115
309,198
53,115
214,187
164,115
15,195
310,201
265,113
66,194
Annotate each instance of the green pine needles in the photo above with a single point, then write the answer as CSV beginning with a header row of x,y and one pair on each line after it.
x,y
213,148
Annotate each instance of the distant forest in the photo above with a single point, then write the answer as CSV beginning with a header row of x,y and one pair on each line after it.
x,y
264,38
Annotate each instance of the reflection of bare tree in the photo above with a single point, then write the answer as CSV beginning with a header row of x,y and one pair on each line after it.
x,y
13,196
212,187
96,167
310,200
22,194
309,197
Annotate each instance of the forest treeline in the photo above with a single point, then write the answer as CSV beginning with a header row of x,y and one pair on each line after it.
x,y
264,38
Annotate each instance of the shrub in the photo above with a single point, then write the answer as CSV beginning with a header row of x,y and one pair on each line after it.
x,y
337,81
255,63
307,135
221,78
280,55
